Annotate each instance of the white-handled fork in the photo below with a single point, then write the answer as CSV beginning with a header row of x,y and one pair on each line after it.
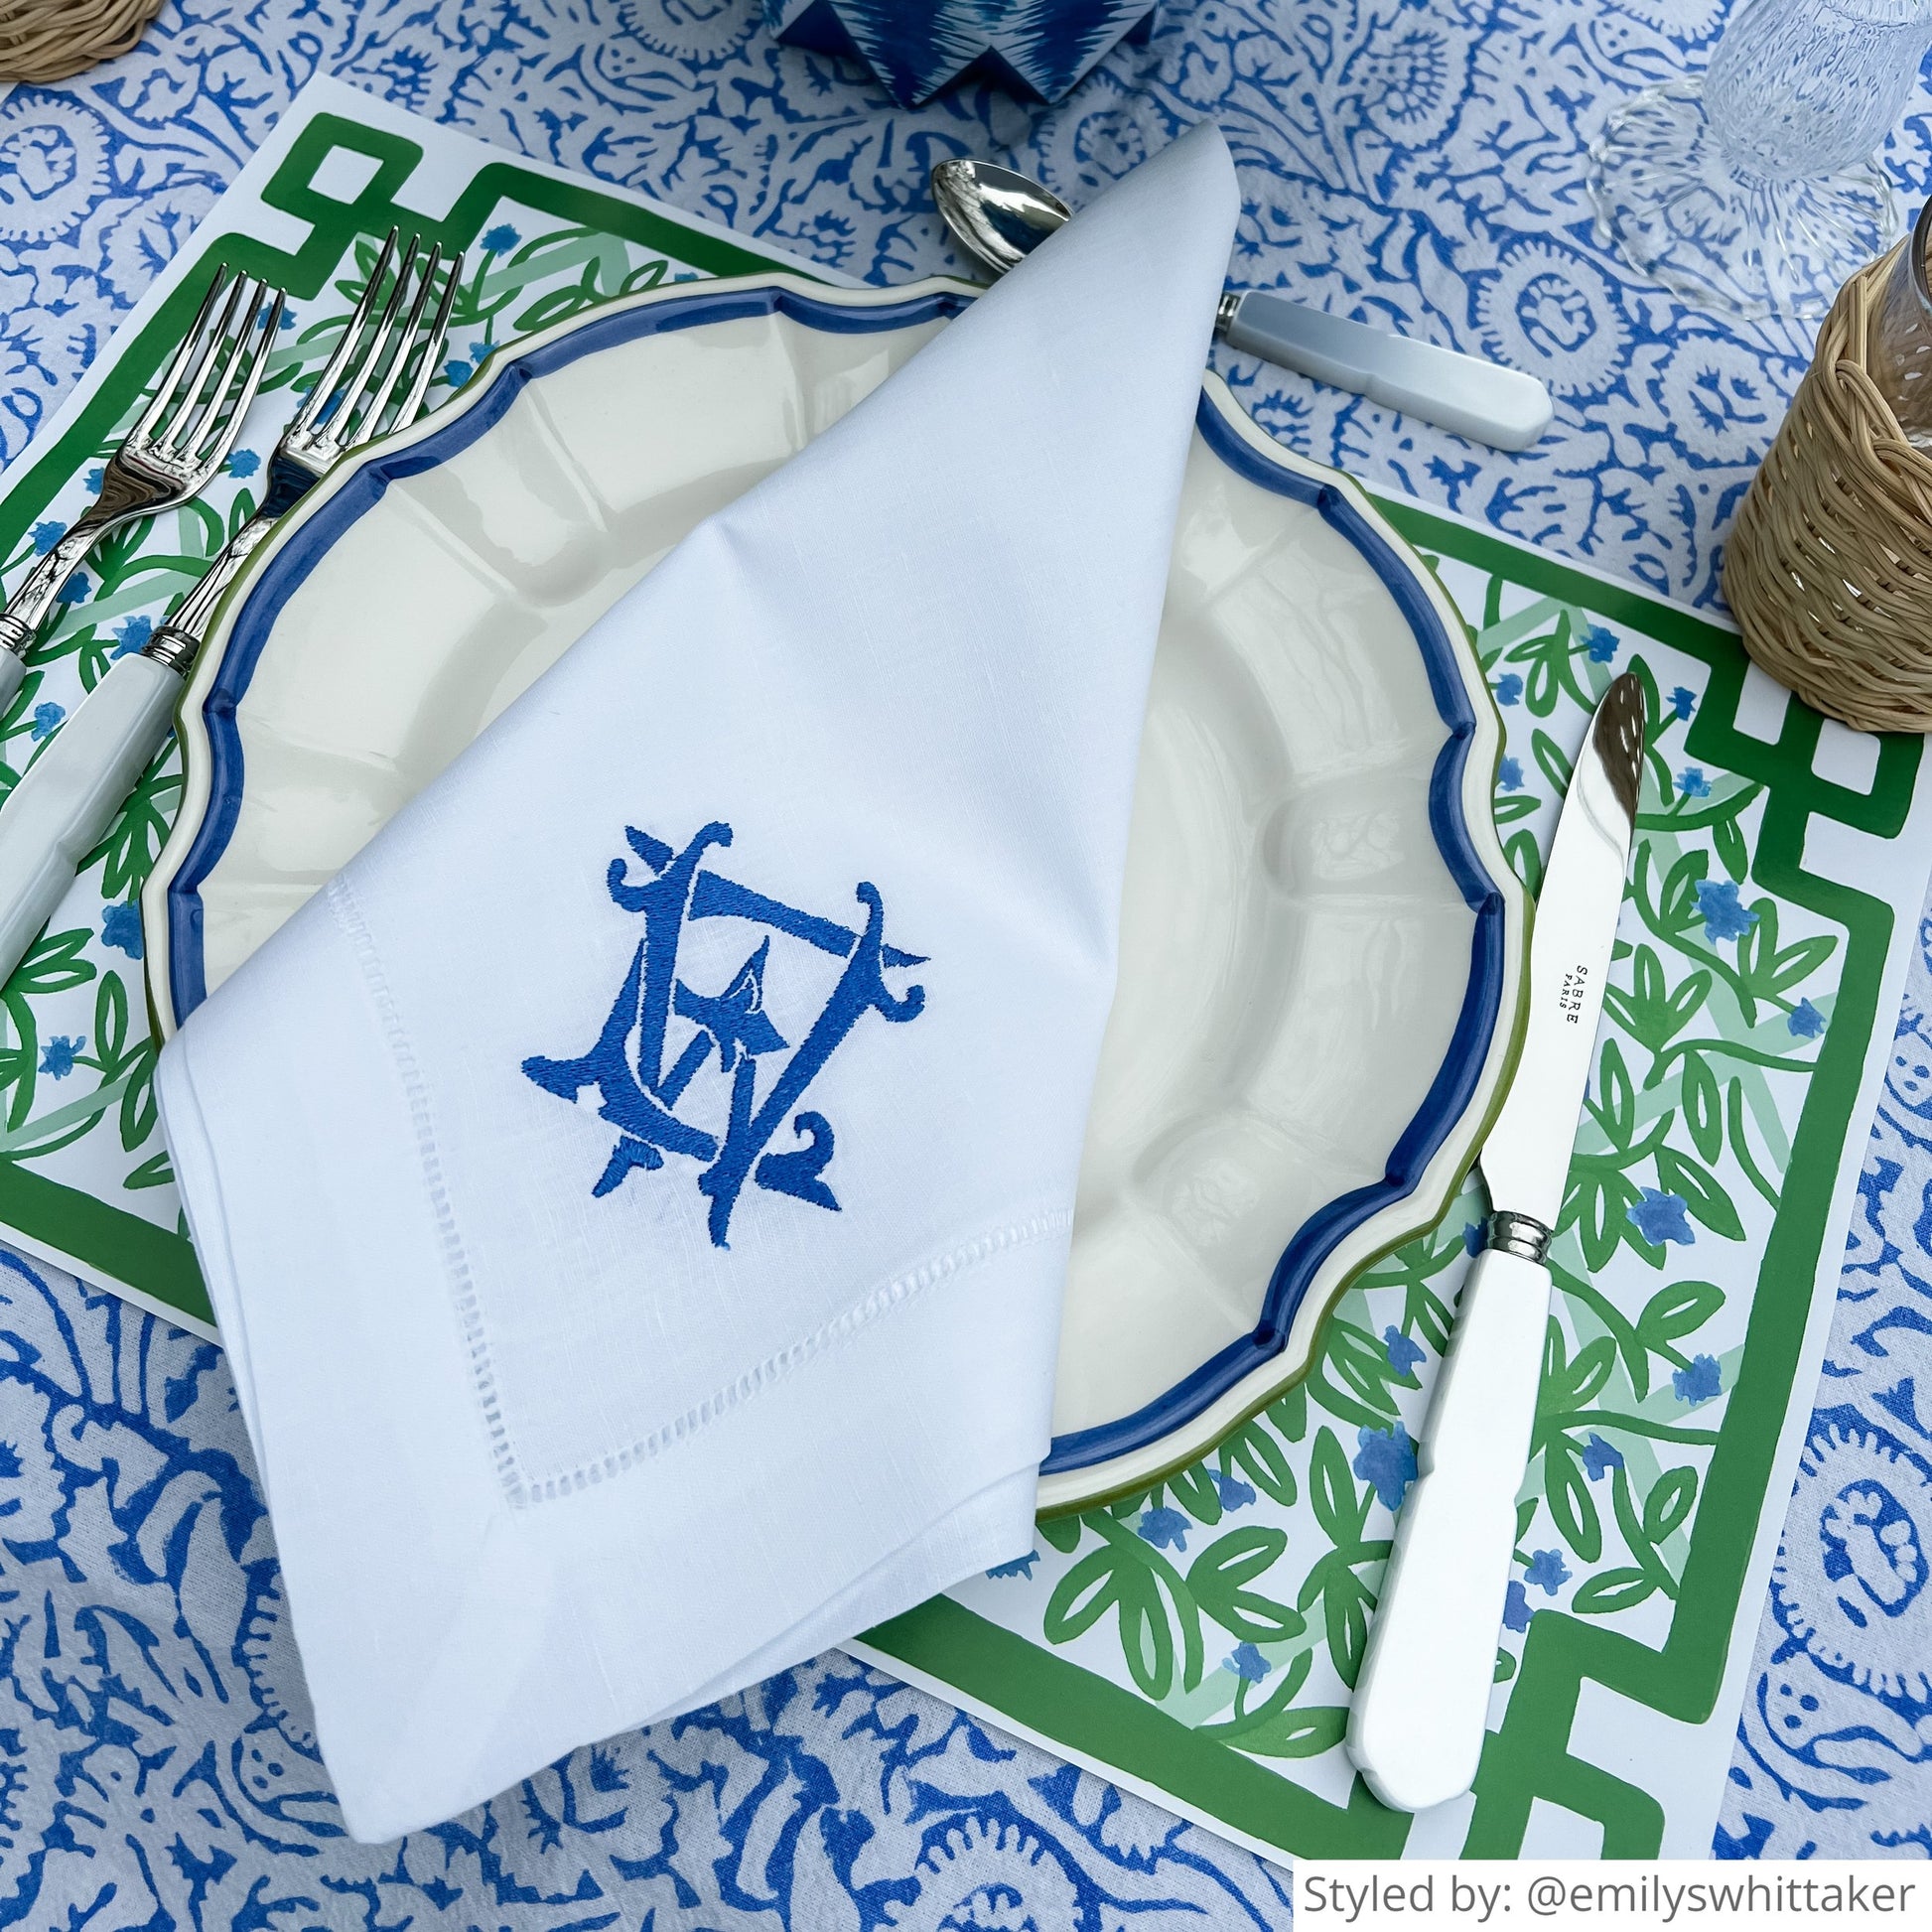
x,y
64,805
180,440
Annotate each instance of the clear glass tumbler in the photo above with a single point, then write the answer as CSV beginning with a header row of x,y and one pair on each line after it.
x,y
1753,189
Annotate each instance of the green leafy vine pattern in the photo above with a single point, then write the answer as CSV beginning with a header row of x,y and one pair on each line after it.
x,y
1237,1594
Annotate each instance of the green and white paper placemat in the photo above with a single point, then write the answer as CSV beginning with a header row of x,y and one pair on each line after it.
x,y
1198,1642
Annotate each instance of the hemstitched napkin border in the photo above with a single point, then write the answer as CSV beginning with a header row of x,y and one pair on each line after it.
x,y
521,1490
883,1300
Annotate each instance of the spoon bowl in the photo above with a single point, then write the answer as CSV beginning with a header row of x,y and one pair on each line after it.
x,y
997,216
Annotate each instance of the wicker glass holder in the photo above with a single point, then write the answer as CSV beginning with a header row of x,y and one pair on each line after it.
x,y
52,40
1830,568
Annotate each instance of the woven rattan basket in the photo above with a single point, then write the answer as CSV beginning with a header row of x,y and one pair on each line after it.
x,y
51,39
1830,568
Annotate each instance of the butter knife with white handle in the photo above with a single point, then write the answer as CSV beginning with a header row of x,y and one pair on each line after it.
x,y
1417,1726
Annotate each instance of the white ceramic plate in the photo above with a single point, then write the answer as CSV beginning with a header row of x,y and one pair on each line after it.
x,y
1321,941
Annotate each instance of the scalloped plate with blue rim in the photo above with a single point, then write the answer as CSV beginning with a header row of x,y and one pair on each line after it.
x,y
1321,943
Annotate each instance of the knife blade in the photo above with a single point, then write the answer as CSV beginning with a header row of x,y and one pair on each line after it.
x,y
1417,1726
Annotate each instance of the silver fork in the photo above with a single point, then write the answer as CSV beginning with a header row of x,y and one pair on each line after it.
x,y
182,438
349,405
60,809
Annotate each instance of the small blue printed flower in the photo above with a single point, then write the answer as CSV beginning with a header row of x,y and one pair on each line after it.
x,y
77,590
1244,1660
1404,1353
120,927
96,477
1700,1381
1472,1236
500,239
56,1057
45,536
1692,783
1386,1461
1509,775
1233,1492
1659,1217
1019,1567
1516,1607
1547,1572
1718,907
1509,688
244,463
685,275
1804,1022
1166,1529
456,373
1599,1457
1681,701
47,721
133,634
1601,642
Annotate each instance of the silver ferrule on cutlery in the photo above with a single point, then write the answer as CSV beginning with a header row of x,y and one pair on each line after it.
x,y
1000,217
172,453
1517,1234
1418,1722
28,608
374,382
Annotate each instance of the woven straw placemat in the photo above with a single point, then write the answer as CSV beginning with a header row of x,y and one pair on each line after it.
x,y
52,40
1830,568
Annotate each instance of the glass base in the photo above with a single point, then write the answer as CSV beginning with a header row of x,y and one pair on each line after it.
x,y
1681,210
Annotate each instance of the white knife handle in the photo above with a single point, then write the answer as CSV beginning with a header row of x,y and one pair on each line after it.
x,y
1417,1726
1477,399
59,812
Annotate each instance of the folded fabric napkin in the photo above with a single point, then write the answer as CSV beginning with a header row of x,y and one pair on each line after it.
x,y
636,1193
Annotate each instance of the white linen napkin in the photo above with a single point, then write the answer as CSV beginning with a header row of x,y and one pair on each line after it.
x,y
636,1193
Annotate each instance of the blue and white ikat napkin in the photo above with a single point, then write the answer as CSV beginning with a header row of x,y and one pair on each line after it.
x,y
636,1193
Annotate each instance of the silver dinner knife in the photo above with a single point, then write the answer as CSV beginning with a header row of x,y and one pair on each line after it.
x,y
1417,1726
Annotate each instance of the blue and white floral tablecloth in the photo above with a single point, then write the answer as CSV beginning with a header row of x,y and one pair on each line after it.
x,y
1416,164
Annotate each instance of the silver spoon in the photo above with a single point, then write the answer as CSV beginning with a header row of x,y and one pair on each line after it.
x,y
999,216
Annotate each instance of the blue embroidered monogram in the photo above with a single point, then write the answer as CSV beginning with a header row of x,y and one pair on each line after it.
x,y
640,1094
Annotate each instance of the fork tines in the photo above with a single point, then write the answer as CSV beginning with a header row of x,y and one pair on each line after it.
x,y
357,398
206,389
